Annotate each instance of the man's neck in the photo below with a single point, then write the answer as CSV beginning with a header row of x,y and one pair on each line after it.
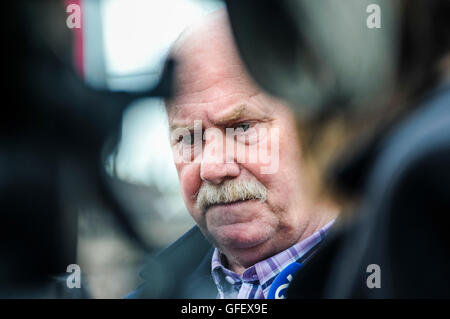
x,y
239,269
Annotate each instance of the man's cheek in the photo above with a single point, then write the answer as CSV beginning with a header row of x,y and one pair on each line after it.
x,y
189,181
262,157
255,169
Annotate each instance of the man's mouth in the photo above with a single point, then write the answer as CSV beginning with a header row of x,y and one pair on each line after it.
x,y
226,204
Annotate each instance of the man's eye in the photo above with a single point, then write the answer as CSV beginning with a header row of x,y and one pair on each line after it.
x,y
188,139
244,126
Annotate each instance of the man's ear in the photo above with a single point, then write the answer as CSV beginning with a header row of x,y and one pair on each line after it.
x,y
166,82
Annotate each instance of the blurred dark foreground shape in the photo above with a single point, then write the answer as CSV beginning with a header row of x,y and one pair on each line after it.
x,y
55,133
388,89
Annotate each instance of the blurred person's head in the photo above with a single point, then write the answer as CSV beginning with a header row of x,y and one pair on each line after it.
x,y
250,206
412,57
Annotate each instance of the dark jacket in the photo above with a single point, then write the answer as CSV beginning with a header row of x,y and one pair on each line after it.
x,y
183,270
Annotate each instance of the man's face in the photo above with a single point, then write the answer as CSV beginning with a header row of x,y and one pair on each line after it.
x,y
246,210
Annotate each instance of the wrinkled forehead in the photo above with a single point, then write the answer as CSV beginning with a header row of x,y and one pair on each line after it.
x,y
206,56
210,39
204,70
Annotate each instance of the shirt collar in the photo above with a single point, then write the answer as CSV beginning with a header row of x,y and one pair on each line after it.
x,y
264,272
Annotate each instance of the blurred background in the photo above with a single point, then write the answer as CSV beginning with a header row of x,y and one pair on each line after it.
x,y
121,47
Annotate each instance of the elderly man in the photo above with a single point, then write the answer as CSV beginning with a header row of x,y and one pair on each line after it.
x,y
256,213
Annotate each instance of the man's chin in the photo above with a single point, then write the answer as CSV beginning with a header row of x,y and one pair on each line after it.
x,y
240,236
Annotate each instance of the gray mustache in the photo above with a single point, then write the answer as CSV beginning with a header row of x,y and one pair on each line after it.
x,y
229,191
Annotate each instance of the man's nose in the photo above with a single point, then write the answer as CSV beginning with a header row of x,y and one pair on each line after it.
x,y
217,165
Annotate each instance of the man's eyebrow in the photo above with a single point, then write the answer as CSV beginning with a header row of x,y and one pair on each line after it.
x,y
173,127
234,114
239,112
